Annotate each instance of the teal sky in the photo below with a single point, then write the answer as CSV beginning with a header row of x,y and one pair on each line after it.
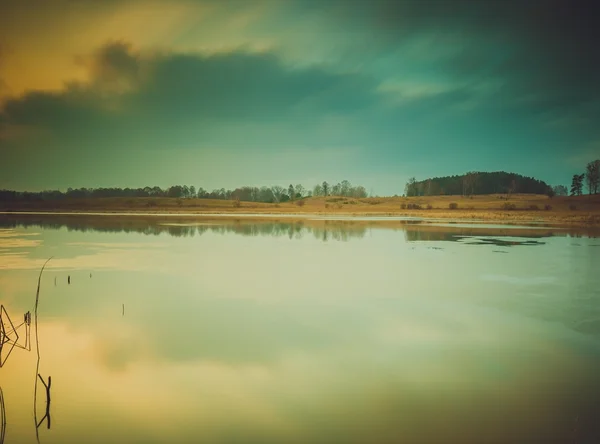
x,y
230,93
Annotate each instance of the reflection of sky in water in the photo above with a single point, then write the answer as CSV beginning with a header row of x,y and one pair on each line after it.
x,y
269,334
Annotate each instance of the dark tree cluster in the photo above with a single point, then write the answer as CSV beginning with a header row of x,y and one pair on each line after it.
x,y
474,183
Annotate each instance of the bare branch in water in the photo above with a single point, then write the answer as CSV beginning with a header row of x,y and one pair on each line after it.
x,y
37,345
2,417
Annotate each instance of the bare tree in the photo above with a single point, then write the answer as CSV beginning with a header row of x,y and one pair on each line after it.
x,y
277,192
291,192
299,190
345,188
592,176
560,190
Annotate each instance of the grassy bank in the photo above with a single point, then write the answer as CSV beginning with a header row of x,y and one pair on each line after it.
x,y
581,210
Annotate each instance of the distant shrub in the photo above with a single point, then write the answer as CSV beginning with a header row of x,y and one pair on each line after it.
x,y
237,203
335,199
300,202
326,205
179,202
413,206
509,206
572,207
547,207
151,203
429,206
453,205
403,206
534,207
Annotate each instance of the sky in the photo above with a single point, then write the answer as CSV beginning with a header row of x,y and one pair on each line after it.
x,y
226,93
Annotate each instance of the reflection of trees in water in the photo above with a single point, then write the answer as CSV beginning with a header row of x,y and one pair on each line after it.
x,y
293,230
181,230
583,287
418,235
339,232
322,230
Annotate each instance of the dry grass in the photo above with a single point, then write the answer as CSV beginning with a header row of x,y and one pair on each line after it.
x,y
582,210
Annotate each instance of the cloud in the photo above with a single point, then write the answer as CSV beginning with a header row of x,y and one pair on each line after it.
x,y
257,77
113,63
129,90
546,51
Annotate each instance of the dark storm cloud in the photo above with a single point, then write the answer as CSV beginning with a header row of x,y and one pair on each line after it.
x,y
181,88
247,87
546,52
115,61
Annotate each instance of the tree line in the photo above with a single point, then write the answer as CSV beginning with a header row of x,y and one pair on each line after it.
x,y
591,177
272,194
474,182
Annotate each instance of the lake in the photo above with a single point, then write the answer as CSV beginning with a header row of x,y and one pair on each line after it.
x,y
202,330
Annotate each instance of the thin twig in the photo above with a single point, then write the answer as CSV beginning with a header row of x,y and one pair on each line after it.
x,y
37,345
2,417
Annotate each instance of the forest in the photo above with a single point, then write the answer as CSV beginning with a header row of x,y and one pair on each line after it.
x,y
474,183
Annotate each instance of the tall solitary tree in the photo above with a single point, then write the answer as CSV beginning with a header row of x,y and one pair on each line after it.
x,y
325,188
291,192
577,184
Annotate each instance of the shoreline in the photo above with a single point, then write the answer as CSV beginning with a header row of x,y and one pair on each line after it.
x,y
483,217
572,211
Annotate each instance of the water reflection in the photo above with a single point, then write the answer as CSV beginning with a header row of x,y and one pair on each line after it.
x,y
322,229
233,334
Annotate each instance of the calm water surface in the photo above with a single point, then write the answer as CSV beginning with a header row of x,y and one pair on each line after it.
x,y
212,331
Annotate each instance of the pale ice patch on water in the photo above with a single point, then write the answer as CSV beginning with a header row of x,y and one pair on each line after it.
x,y
533,226
533,280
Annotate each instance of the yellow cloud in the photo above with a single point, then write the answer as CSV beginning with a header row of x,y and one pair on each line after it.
x,y
43,50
